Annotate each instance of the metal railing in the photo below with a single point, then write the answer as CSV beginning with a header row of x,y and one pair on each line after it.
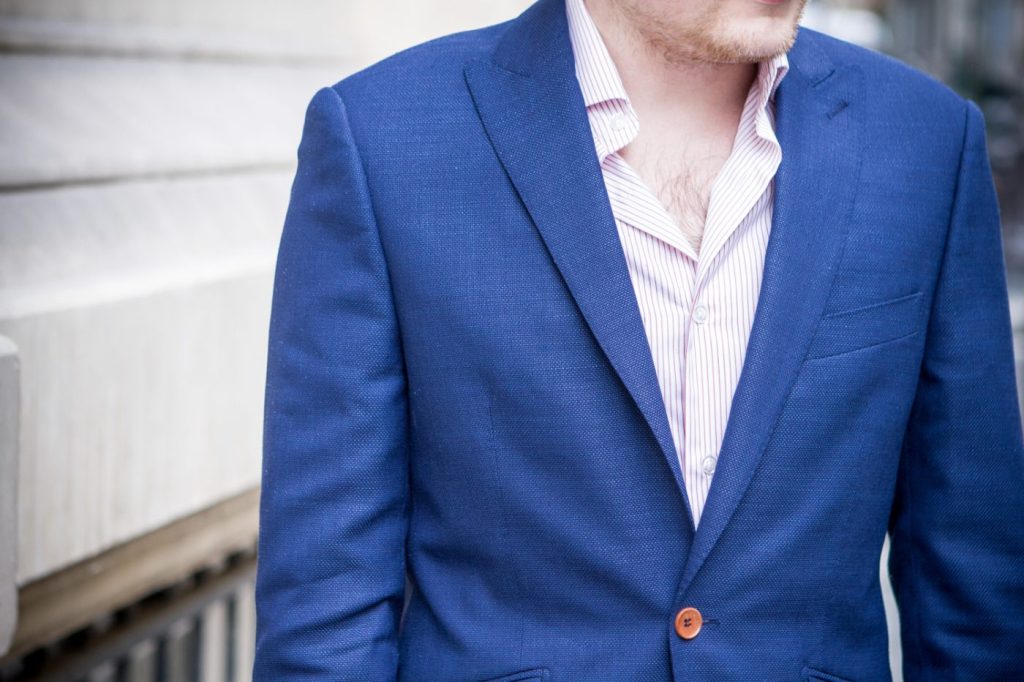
x,y
199,630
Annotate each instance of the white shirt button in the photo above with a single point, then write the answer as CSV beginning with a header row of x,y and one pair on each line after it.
x,y
709,464
700,314
619,122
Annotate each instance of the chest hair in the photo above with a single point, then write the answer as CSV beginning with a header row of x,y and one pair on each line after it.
x,y
682,183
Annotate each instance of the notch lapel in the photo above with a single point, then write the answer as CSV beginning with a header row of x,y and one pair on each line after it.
x,y
531,106
819,126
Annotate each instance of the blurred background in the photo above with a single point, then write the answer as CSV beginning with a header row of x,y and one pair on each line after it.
x,y
146,154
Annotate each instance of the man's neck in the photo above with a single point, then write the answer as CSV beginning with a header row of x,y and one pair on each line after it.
x,y
700,93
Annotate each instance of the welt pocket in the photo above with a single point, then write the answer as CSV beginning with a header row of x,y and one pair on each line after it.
x,y
867,325
532,675
814,675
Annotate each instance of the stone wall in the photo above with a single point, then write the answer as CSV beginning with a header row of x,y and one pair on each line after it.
x,y
148,151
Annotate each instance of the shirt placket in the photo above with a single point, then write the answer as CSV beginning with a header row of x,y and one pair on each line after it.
x,y
746,175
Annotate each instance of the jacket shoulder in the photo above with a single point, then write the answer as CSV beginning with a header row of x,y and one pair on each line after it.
x,y
422,70
890,84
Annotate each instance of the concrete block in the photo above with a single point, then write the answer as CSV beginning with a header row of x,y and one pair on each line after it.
x,y
140,310
9,417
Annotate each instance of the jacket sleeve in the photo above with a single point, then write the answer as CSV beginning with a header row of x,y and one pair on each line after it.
x,y
957,525
333,508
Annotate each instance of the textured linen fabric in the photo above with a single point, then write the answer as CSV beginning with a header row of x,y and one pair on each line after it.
x,y
468,471
697,305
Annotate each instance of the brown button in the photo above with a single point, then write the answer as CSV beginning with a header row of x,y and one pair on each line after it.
x,y
688,622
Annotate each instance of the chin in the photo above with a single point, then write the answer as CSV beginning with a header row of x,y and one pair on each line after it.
x,y
717,36
752,44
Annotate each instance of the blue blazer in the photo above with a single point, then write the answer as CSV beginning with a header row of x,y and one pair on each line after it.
x,y
468,470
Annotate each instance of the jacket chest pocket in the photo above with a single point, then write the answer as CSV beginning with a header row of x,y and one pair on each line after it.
x,y
865,326
813,675
532,675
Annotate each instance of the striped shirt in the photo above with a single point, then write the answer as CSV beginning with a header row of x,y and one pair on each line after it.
x,y
697,306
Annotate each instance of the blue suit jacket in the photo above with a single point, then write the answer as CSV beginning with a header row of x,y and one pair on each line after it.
x,y
460,392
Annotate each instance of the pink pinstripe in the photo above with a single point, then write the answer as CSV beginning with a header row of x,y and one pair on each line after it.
x,y
697,309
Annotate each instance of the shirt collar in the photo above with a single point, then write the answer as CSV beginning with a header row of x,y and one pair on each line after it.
x,y
596,72
599,77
